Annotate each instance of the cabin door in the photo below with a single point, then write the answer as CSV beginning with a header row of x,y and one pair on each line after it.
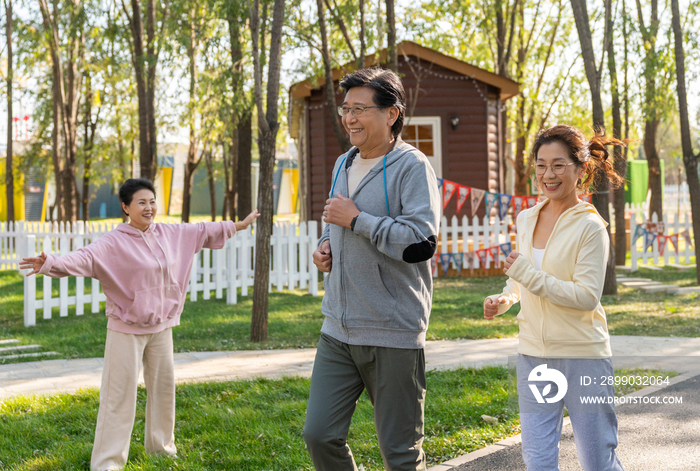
x,y
424,133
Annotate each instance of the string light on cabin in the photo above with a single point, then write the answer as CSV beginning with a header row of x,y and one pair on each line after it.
x,y
415,64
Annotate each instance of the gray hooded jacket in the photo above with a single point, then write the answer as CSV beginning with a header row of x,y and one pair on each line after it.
x,y
379,289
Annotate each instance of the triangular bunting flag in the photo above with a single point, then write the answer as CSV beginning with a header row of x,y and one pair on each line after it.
x,y
674,242
519,204
470,259
476,196
688,239
440,180
493,251
649,238
482,254
662,243
586,197
638,232
491,200
462,195
506,249
445,260
504,202
458,258
449,188
531,201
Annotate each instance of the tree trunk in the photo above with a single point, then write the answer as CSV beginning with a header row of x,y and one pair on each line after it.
x,y
190,167
192,158
231,171
392,53
363,43
267,133
243,172
343,140
68,85
212,183
600,197
625,97
9,175
651,118
521,177
85,194
145,61
651,126
618,160
55,151
229,180
690,160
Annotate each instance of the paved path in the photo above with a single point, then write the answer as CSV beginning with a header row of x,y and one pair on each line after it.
x,y
51,376
650,437
639,446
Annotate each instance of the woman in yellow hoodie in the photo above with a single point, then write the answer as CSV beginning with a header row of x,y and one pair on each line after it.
x,y
558,278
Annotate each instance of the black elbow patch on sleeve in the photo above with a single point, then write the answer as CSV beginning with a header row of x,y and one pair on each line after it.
x,y
421,251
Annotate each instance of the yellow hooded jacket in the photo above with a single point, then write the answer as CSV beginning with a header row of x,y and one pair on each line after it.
x,y
560,311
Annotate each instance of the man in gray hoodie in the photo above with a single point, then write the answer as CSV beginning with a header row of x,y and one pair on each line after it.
x,y
382,222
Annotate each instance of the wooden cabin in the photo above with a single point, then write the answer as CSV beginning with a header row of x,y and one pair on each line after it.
x,y
454,121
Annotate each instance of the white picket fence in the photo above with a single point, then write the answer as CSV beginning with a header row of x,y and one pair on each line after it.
x,y
674,223
471,234
229,268
12,232
676,198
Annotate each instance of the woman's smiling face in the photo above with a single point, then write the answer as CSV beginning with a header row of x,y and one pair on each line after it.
x,y
142,209
552,156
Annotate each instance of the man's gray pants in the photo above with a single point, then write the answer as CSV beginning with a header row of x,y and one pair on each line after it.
x,y
395,382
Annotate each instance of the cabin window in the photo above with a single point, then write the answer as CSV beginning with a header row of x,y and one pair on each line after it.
x,y
423,132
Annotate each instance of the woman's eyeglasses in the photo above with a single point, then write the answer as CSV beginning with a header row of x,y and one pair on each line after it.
x,y
558,169
356,111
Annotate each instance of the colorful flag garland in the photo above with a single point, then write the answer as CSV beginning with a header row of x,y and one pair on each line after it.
x,y
475,196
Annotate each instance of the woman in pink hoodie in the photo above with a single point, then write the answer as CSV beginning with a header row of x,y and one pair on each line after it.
x,y
144,269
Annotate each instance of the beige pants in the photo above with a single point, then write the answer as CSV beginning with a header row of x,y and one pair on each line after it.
x,y
124,354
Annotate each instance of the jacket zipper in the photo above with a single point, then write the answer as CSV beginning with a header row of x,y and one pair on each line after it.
x,y
343,314
162,271
554,229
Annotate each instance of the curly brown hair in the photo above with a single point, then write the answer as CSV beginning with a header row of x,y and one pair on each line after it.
x,y
582,150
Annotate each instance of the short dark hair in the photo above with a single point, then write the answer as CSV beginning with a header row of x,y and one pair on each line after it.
x,y
388,91
131,186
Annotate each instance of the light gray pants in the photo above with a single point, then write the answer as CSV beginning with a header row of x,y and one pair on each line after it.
x,y
395,382
595,426
124,354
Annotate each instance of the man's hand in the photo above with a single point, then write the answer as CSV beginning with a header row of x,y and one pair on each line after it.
x,y
510,260
491,307
340,211
33,263
322,256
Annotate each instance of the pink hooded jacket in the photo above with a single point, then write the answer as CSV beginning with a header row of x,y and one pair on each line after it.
x,y
144,274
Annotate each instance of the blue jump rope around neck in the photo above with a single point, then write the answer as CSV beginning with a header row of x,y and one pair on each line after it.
x,y
386,193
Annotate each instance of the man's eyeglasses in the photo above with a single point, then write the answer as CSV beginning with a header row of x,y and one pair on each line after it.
x,y
356,111
558,169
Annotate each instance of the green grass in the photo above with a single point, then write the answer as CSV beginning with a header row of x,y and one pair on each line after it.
x,y
295,317
257,425
634,312
250,425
